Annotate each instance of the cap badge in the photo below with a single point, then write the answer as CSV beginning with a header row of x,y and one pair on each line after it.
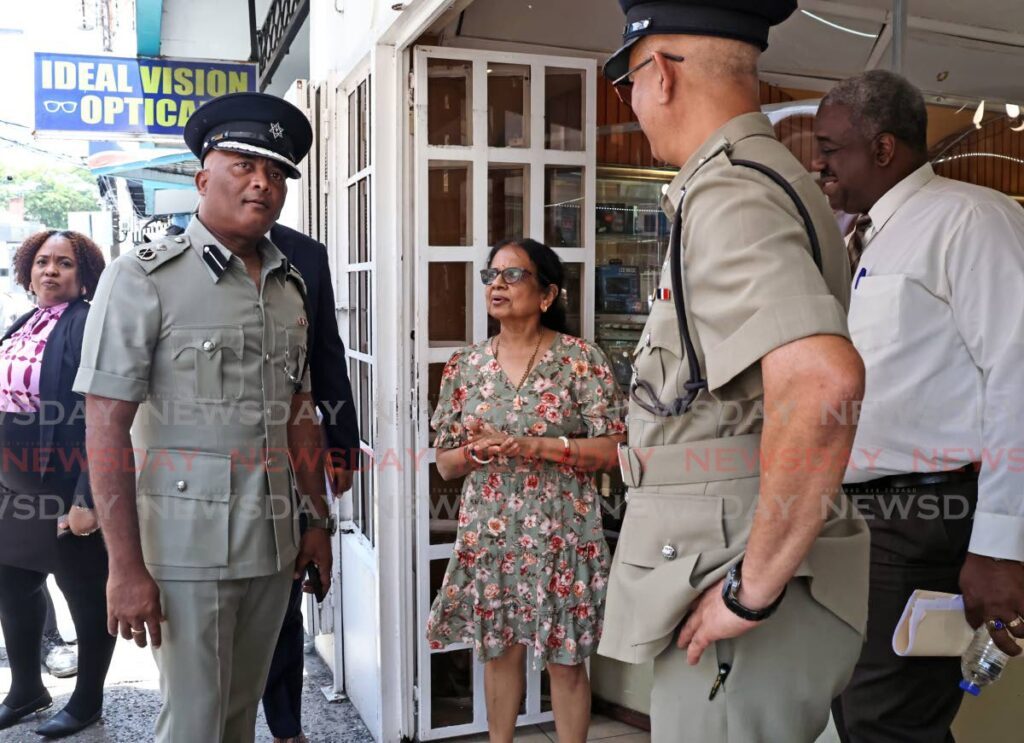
x,y
276,130
635,26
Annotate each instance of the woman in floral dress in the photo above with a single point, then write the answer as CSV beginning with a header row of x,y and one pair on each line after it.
x,y
527,417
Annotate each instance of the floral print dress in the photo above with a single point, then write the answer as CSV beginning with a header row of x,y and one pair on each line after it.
x,y
530,564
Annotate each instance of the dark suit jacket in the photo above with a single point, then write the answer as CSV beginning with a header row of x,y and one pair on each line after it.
x,y
63,421
327,366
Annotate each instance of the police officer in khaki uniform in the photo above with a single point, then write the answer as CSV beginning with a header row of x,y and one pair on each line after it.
x,y
200,339
741,569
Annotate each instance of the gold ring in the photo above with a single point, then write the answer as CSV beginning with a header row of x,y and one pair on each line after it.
x,y
138,631
1015,623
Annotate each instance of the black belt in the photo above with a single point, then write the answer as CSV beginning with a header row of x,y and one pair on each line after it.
x,y
967,473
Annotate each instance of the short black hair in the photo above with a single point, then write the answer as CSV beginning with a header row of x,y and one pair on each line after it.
x,y
550,271
882,101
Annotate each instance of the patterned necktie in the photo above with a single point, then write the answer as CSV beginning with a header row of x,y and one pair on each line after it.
x,y
855,247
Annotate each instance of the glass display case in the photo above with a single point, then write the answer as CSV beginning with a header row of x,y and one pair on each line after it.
x,y
632,241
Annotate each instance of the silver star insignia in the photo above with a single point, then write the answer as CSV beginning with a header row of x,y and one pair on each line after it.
x,y
276,130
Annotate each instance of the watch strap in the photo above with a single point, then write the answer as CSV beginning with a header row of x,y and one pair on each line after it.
x,y
329,524
730,592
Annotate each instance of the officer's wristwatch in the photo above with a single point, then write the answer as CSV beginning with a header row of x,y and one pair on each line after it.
x,y
731,591
330,524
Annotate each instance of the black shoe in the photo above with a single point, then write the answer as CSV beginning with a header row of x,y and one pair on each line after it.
x,y
12,715
64,723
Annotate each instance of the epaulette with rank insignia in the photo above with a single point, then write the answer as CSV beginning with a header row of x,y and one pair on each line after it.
x,y
152,255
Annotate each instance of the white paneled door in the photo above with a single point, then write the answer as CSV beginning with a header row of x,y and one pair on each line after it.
x,y
503,148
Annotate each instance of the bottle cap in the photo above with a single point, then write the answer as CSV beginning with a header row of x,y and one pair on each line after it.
x,y
970,688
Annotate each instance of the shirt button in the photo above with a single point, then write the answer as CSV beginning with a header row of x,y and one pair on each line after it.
x,y
182,486
209,346
267,358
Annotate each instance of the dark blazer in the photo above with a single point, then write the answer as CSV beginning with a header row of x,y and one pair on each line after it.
x,y
328,369
63,424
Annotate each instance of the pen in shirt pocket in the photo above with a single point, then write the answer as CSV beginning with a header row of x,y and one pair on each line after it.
x,y
860,275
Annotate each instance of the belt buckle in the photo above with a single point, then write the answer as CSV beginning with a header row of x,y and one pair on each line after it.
x,y
628,467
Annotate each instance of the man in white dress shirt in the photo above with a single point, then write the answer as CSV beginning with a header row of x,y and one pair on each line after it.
x,y
937,312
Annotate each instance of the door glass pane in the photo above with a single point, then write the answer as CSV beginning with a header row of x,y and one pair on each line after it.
x,y
506,203
449,102
449,204
364,124
353,223
365,400
448,320
363,223
444,507
572,293
563,202
563,100
437,571
451,692
363,298
354,381
508,105
353,132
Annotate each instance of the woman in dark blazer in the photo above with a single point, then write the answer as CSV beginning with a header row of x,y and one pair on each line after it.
x,y
46,519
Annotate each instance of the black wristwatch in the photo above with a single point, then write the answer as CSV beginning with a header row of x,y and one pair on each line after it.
x,y
731,590
330,524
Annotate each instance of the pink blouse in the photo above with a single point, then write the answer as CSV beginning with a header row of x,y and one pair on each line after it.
x,y
21,358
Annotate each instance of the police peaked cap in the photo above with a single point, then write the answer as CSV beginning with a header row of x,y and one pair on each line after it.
x,y
254,124
745,20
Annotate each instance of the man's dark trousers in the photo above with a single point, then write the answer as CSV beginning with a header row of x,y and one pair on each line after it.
x,y
282,699
920,532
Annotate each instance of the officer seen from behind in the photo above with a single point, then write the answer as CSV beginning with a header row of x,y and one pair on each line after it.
x,y
197,343
740,568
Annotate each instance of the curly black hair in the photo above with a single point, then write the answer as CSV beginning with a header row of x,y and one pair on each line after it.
x,y
87,254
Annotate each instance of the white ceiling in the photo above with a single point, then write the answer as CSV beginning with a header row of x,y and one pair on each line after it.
x,y
804,47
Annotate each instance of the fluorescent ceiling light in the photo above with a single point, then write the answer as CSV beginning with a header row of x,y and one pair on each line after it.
x,y
829,23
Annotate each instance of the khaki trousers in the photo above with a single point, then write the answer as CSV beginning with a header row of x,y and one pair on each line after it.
x,y
784,675
218,641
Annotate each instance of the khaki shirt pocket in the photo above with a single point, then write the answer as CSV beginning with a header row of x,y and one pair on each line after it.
x,y
660,370
184,508
662,538
661,528
208,362
296,349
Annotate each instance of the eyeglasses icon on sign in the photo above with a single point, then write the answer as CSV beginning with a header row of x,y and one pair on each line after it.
x,y
68,107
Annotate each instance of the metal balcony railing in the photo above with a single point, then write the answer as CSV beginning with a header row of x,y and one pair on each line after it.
x,y
273,40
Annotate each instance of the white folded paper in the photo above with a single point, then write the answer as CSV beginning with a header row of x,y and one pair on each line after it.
x,y
933,625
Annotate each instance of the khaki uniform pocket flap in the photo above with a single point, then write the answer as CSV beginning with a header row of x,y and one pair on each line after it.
x,y
660,528
186,474
208,340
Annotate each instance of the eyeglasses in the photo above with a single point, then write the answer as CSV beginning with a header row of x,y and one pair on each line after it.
x,y
509,275
624,84
68,107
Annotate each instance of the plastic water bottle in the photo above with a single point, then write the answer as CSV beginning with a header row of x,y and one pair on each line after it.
x,y
982,662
